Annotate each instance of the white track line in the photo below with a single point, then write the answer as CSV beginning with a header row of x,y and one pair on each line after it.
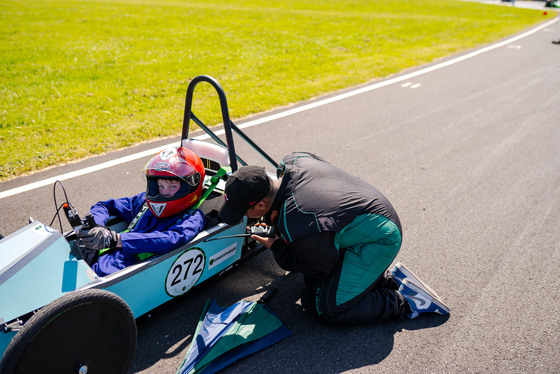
x,y
290,112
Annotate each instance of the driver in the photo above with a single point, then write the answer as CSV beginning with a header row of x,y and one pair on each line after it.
x,y
159,220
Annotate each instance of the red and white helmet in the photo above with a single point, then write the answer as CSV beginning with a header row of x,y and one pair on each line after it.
x,y
179,164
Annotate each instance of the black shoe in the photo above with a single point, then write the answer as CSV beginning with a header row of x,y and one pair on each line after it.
x,y
556,42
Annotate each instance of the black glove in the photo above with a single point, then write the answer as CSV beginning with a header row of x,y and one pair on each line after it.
x,y
98,238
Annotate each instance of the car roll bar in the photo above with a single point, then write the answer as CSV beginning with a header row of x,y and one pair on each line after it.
x,y
229,126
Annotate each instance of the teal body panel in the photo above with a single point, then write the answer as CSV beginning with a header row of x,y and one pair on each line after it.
x,y
5,339
176,275
37,267
38,274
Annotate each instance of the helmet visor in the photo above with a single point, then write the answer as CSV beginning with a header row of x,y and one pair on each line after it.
x,y
183,172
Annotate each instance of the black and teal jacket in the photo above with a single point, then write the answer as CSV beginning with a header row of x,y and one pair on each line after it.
x,y
323,209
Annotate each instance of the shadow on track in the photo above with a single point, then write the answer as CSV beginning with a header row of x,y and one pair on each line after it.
x,y
165,334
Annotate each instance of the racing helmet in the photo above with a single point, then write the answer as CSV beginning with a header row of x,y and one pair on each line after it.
x,y
179,164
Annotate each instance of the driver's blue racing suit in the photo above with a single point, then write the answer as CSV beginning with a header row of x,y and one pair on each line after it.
x,y
149,234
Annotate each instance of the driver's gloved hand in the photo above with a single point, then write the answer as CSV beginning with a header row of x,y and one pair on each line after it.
x,y
98,238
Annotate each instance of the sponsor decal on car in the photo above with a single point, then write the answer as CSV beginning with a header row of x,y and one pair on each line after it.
x,y
223,255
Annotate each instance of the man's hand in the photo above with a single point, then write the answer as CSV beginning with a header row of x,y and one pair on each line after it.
x,y
266,241
98,238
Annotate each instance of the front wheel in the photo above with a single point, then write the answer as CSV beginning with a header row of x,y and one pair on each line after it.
x,y
84,331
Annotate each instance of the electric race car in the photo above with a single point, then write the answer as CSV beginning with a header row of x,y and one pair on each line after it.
x,y
58,316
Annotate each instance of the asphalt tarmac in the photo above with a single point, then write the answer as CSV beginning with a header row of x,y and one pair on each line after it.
x,y
466,149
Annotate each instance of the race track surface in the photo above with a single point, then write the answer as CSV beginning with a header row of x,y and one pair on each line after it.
x,y
469,156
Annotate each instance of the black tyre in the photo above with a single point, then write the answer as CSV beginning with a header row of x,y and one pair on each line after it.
x,y
91,331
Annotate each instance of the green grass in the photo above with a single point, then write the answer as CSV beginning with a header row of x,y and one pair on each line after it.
x,y
82,77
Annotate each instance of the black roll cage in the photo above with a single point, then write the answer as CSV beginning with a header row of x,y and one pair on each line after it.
x,y
229,126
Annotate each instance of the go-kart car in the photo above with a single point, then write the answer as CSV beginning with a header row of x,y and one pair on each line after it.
x,y
58,316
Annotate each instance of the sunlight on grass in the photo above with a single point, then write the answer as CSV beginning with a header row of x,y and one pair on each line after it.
x,y
82,77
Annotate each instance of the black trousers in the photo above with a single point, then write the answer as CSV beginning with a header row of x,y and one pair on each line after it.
x,y
379,303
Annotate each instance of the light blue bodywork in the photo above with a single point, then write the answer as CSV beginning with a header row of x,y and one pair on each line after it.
x,y
37,267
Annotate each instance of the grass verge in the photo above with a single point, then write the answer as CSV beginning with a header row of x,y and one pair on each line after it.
x,y
82,77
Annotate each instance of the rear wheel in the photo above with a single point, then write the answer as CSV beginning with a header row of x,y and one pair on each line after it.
x,y
84,331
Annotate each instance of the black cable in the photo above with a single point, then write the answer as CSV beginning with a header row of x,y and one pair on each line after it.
x,y
56,207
